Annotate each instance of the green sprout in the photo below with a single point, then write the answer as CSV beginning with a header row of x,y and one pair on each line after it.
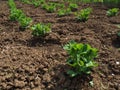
x,y
24,22
73,6
60,5
63,12
15,14
11,3
83,15
26,1
50,7
37,3
81,58
41,29
112,12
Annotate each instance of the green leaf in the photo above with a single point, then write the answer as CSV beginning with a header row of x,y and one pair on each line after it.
x,y
71,73
81,63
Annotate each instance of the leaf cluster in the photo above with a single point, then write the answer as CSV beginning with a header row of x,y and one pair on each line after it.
x,y
50,7
112,12
81,58
73,6
16,14
26,1
24,22
37,3
40,29
60,5
11,4
83,15
63,12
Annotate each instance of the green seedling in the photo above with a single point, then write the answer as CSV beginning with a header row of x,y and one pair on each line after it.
x,y
15,14
50,7
37,3
73,6
63,12
42,1
26,1
81,58
83,15
112,12
11,3
44,6
60,5
24,22
41,29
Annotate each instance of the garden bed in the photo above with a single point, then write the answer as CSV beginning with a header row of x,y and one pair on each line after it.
x,y
28,63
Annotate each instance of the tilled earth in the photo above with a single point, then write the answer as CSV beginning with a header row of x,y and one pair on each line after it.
x,y
28,63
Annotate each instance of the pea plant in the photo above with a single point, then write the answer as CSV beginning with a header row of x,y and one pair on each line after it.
x,y
24,22
16,14
50,7
83,15
63,12
81,58
26,1
11,4
37,3
73,6
60,5
112,12
41,29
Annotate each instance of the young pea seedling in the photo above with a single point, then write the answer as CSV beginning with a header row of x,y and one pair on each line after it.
x,y
73,6
63,12
40,29
15,14
11,3
112,12
50,7
83,15
81,58
24,22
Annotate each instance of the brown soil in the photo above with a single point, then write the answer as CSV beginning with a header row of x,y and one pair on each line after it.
x,y
28,63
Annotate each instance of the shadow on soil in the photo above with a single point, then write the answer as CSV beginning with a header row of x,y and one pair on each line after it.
x,y
116,43
33,42
62,81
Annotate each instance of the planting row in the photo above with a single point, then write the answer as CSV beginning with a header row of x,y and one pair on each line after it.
x,y
41,29
26,22
63,10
